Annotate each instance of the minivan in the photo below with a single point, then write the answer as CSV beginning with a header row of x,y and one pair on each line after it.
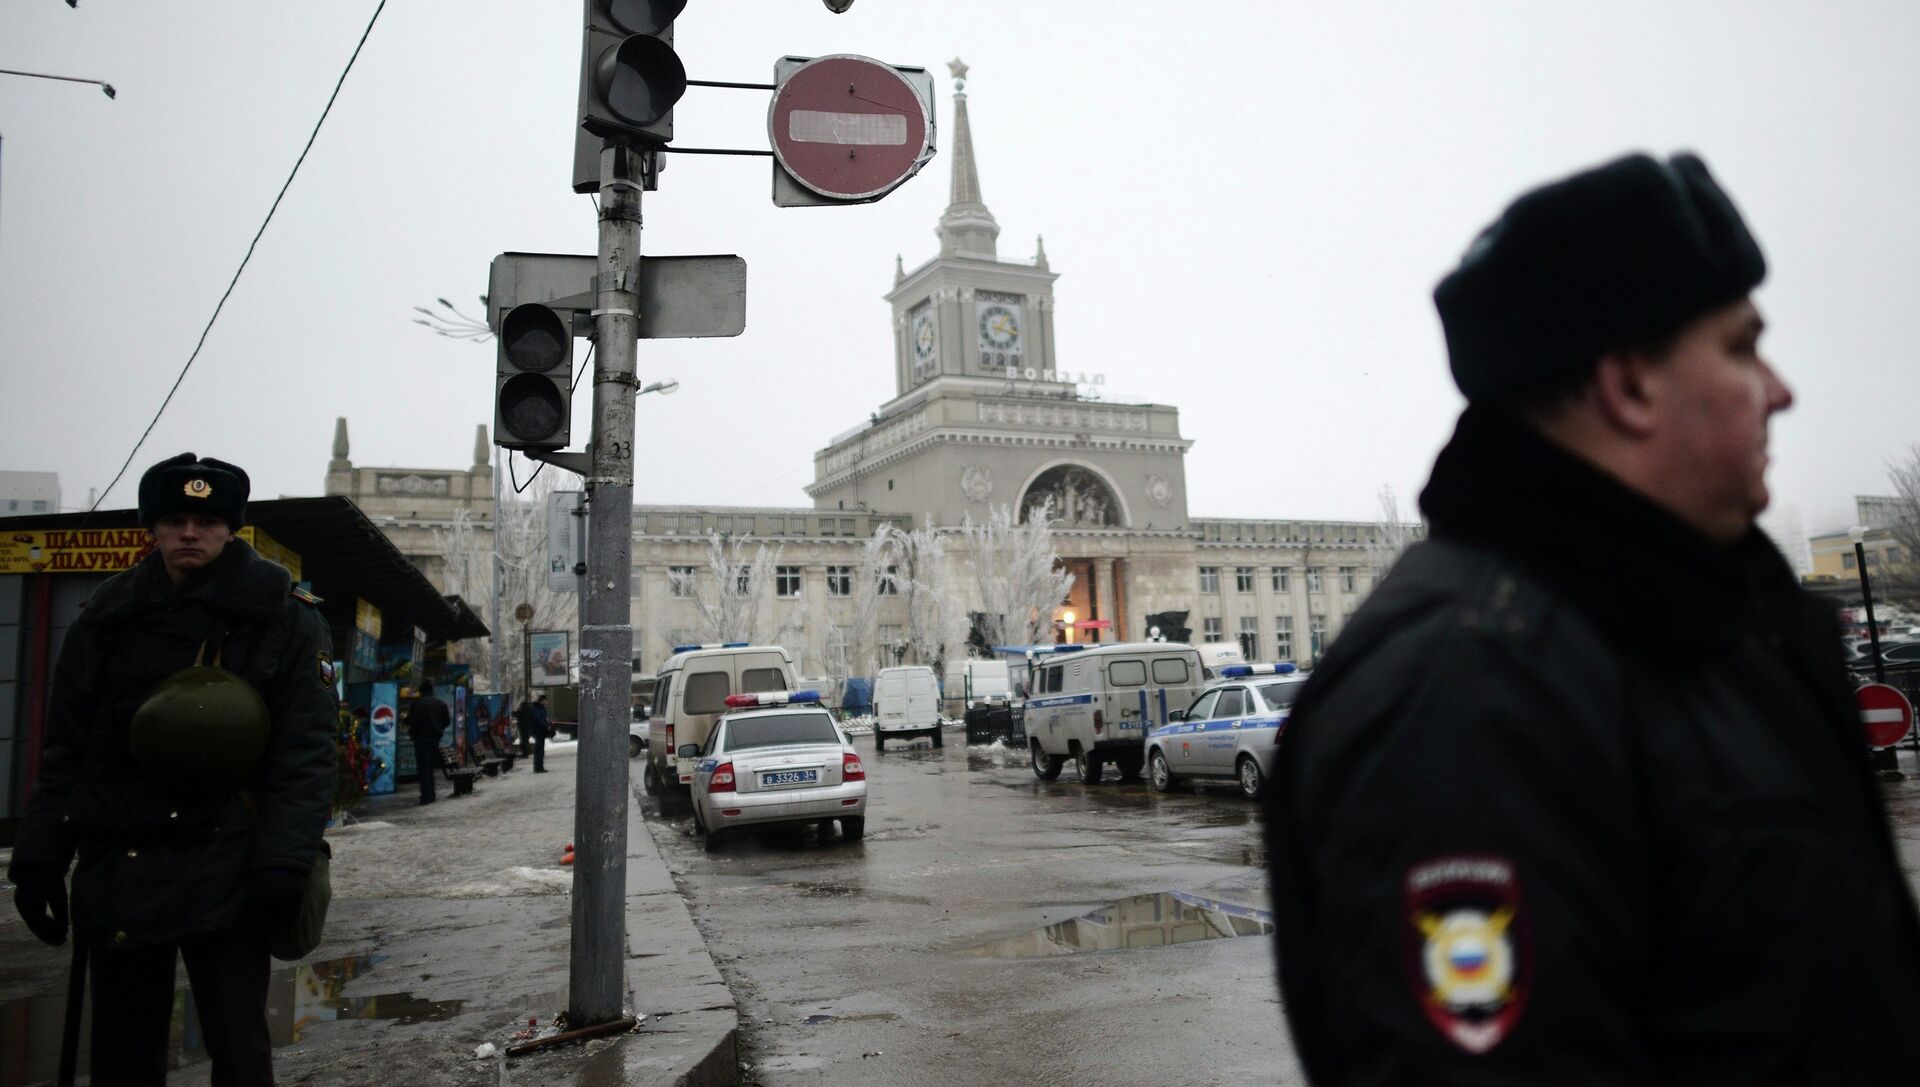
x,y
1095,705
906,703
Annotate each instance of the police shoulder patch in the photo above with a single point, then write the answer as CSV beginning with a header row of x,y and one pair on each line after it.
x,y
1469,954
304,596
326,668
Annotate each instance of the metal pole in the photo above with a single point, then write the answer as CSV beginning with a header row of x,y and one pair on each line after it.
x,y
606,622
1873,628
497,671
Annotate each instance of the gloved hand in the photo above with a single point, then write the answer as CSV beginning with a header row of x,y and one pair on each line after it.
x,y
40,894
274,896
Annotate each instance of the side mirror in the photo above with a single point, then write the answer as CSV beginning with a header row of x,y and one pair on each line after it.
x,y
689,751
1176,715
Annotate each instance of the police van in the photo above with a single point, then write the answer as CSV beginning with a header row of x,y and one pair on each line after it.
x,y
690,694
1096,704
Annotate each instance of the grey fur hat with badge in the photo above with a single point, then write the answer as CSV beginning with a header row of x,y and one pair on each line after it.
x,y
1614,257
190,484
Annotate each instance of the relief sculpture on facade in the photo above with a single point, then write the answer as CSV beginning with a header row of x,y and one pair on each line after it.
x,y
413,484
1072,497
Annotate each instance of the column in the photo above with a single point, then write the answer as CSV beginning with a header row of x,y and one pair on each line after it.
x,y
1104,604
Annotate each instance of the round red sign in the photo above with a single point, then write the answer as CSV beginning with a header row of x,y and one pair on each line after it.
x,y
848,127
1885,712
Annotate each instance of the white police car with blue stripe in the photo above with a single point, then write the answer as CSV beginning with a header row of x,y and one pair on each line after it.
x,y
1232,731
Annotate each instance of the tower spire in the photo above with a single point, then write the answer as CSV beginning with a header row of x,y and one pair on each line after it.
x,y
966,228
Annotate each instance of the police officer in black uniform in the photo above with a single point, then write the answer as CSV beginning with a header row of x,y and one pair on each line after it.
x,y
426,722
1580,794
189,767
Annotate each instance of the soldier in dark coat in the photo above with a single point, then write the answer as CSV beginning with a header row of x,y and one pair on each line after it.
x,y
540,727
1580,795
426,723
195,817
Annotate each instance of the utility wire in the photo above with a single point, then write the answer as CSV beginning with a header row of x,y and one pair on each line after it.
x,y
243,262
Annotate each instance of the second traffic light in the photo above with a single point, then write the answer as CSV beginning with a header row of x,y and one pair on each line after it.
x,y
630,77
533,378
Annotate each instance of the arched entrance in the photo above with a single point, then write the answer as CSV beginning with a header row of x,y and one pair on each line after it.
x,y
1075,497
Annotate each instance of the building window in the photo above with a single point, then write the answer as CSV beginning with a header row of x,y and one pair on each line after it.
x,y
846,526
670,525
1209,579
1846,561
1250,637
1279,574
680,581
1313,579
742,580
39,505
1316,635
1283,637
839,581
1243,579
890,582
1348,581
1211,628
1893,553
893,639
826,526
786,580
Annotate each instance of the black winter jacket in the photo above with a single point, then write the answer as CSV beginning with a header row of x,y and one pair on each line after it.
x,y
158,861
1578,797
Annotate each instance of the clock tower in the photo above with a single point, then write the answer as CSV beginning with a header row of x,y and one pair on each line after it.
x,y
984,414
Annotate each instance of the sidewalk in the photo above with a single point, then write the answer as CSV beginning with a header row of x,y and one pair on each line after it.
x,y
449,929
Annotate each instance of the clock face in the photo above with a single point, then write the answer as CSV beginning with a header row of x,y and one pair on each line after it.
x,y
999,327
923,338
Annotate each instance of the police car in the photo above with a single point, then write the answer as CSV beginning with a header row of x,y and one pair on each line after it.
x,y
776,757
1231,731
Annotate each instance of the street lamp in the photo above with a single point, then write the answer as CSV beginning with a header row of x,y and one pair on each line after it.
x,y
104,86
1858,534
664,388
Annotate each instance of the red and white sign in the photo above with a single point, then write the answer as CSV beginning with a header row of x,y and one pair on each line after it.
x,y
1886,713
849,127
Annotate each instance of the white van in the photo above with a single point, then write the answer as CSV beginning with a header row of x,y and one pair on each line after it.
x,y
906,703
1217,655
689,695
1095,704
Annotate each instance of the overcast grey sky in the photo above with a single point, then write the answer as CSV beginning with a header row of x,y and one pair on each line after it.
x,y
1248,204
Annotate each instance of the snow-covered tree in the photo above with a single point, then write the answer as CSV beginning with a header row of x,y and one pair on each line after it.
x,y
876,571
937,620
1016,574
731,598
1390,536
1900,583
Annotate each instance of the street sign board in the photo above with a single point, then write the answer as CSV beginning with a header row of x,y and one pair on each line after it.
x,y
680,297
566,539
847,129
1885,712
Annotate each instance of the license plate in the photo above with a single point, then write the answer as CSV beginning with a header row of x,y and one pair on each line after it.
x,y
790,777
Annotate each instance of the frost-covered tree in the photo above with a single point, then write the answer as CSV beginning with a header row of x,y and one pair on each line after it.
x,y
1390,536
731,598
466,550
937,619
1900,583
1016,574
875,572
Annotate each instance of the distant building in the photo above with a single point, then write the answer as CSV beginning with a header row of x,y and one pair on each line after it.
x,y
27,493
1833,554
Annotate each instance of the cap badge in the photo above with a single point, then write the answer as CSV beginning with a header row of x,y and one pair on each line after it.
x,y
198,488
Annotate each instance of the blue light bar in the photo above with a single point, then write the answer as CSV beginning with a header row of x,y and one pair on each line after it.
x,y
1236,670
711,645
771,698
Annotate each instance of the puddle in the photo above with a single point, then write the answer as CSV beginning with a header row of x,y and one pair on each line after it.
x,y
1172,917
298,997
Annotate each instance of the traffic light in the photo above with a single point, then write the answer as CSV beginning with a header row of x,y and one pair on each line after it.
x,y
533,378
630,77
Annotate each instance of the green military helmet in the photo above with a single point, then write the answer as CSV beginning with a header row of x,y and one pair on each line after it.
x,y
201,726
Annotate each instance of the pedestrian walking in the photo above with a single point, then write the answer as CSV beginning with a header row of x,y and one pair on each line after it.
x,y
1580,795
188,766
541,727
523,726
426,722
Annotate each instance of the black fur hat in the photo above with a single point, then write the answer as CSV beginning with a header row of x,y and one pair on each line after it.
x,y
1613,257
190,484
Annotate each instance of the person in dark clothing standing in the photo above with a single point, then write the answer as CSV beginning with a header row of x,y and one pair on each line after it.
x,y
189,766
521,725
540,726
1580,794
426,723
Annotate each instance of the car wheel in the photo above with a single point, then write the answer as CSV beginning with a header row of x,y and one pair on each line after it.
x,y
1046,767
879,741
650,778
936,737
713,840
853,827
633,746
1089,765
1161,774
1252,781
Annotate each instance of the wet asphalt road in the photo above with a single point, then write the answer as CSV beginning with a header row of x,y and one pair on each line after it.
x,y
941,950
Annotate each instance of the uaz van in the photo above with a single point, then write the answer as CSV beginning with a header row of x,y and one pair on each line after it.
x,y
1096,704
689,695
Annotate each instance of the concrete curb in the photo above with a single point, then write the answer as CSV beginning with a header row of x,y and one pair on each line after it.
x,y
690,1035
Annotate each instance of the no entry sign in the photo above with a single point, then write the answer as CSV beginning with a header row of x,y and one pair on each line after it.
x,y
849,127
1885,712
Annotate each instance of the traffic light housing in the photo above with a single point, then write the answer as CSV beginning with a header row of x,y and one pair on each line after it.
x,y
630,77
533,378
